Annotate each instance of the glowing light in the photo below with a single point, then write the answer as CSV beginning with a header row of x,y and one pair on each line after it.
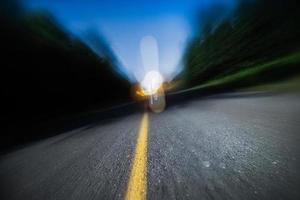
x,y
149,53
152,82
141,93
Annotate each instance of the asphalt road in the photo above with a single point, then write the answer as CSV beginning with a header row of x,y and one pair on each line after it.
x,y
220,147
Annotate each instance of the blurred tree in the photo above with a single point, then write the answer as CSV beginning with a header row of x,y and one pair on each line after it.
x,y
47,72
257,32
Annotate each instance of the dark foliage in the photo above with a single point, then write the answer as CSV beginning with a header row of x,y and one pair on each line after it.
x,y
47,73
258,32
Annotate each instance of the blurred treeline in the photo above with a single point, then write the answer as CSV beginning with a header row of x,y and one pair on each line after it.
x,y
260,36
47,72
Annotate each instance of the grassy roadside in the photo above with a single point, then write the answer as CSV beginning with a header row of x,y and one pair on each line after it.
x,y
264,74
291,84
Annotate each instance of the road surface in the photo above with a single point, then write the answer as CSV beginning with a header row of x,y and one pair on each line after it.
x,y
219,147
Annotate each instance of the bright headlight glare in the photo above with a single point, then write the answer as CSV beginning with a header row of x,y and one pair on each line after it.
x,y
152,82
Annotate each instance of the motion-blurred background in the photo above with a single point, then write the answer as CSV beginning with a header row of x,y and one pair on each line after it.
x,y
52,70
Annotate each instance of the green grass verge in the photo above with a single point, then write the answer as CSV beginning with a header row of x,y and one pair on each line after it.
x,y
255,71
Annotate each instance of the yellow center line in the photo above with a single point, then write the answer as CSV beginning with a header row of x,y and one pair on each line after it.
x,y
137,185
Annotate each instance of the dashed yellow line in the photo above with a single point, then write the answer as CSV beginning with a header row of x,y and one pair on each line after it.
x,y
137,185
